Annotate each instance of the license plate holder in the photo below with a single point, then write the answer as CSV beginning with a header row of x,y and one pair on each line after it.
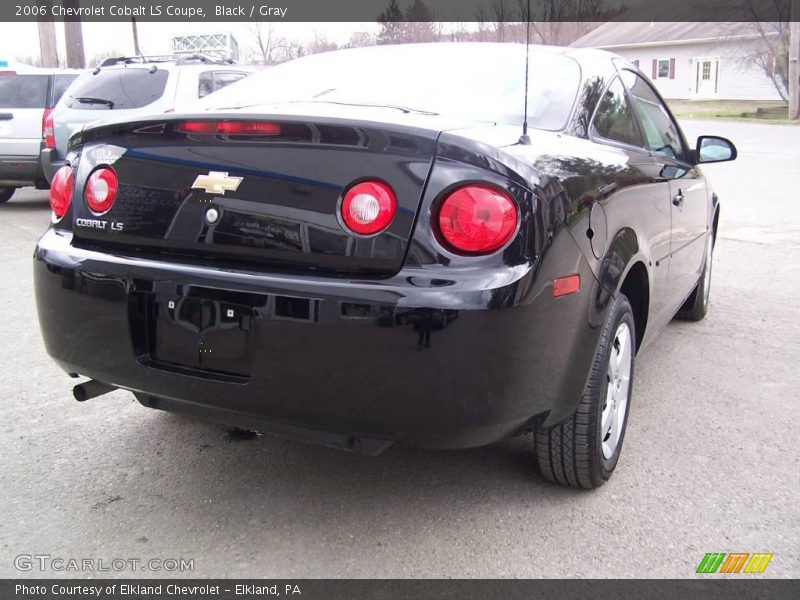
x,y
204,334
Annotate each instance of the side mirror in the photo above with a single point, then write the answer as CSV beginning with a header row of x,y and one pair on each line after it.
x,y
711,149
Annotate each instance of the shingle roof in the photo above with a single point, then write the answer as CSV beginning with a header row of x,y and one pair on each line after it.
x,y
616,33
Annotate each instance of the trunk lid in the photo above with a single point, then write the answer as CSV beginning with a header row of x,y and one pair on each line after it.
x,y
284,212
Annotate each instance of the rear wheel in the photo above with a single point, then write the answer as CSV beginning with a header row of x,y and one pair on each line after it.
x,y
6,193
583,450
696,306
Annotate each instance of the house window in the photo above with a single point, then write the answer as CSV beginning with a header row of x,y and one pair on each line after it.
x,y
706,75
663,68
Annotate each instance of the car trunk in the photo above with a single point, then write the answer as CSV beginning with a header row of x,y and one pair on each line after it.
x,y
284,211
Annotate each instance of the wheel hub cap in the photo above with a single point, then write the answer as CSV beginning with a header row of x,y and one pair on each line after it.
x,y
618,378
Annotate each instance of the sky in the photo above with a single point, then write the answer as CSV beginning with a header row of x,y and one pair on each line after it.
x,y
22,39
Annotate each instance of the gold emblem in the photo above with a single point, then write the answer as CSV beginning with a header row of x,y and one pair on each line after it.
x,y
217,182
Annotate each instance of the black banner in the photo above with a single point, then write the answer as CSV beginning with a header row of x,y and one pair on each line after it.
x,y
709,588
401,10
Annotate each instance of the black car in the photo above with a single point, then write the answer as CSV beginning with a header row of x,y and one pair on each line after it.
x,y
386,245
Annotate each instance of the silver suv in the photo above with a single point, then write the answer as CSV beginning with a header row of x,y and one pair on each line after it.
x,y
26,101
132,86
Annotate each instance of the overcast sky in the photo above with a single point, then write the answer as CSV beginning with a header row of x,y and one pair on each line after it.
x,y
22,39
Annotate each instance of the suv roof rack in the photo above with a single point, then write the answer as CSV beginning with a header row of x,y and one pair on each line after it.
x,y
178,59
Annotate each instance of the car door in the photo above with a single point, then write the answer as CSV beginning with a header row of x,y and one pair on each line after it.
x,y
642,204
23,98
688,191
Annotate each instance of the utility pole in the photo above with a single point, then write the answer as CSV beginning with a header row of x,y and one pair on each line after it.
x,y
136,49
794,60
48,52
73,32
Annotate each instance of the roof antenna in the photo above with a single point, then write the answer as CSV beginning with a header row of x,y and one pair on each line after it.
x,y
524,139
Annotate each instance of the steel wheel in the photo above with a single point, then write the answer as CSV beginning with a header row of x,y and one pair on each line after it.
x,y
618,380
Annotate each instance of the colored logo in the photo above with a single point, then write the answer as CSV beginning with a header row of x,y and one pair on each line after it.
x,y
734,562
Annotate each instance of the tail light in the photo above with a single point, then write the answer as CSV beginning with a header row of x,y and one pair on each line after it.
x,y
101,190
230,127
477,219
61,191
368,207
48,131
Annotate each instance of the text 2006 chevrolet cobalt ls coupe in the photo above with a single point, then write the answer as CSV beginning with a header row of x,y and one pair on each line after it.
x,y
368,246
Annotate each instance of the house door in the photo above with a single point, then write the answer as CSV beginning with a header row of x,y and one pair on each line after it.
x,y
706,77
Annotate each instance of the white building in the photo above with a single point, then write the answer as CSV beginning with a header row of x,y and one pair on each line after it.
x,y
693,61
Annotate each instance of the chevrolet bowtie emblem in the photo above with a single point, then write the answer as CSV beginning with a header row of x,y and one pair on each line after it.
x,y
217,182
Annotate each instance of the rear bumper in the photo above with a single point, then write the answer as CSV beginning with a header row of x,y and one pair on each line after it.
x,y
19,171
50,163
415,359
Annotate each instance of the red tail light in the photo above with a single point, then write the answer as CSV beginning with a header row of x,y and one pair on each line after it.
x,y
477,219
101,190
230,127
61,191
368,207
48,132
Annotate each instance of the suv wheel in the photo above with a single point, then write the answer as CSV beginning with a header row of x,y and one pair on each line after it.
x,y
583,450
6,193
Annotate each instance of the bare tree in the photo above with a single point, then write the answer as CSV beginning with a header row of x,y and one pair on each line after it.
x,y
794,60
267,42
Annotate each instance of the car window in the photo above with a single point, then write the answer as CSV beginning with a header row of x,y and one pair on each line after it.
x,y
60,85
660,132
614,119
23,91
211,81
472,81
116,89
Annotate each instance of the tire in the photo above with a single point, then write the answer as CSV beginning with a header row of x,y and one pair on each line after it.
x,y
6,193
696,306
575,453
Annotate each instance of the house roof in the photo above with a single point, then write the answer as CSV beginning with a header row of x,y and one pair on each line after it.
x,y
616,34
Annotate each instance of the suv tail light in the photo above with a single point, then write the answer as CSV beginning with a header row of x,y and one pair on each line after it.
x,y
48,132
477,219
368,207
101,190
61,191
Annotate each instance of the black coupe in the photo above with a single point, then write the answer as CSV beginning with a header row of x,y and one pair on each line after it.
x,y
387,245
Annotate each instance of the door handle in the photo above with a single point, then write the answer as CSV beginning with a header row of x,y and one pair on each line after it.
x,y
6,116
677,199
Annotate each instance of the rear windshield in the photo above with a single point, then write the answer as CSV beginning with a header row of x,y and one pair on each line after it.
x,y
23,91
117,89
484,82
60,85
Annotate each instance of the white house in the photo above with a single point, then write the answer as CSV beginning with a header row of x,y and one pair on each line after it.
x,y
722,61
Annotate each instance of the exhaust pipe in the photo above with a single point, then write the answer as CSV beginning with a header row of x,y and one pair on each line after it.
x,y
91,389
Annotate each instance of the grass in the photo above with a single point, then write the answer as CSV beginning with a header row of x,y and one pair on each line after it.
x,y
732,110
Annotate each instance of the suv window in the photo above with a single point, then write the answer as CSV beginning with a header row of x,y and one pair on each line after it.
x,y
614,119
211,81
23,91
117,89
660,132
60,85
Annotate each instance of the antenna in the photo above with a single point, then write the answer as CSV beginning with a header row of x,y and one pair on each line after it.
x,y
524,139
